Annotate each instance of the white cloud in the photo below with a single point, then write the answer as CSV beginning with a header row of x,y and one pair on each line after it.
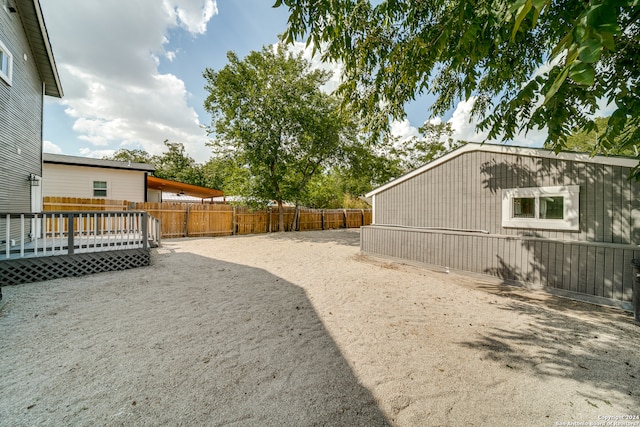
x,y
192,15
464,128
50,147
605,109
107,55
96,154
403,130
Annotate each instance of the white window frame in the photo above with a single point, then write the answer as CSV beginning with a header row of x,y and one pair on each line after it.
x,y
105,189
6,75
571,208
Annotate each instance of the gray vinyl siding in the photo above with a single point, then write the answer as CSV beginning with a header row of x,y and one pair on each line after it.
x,y
464,195
20,120
20,125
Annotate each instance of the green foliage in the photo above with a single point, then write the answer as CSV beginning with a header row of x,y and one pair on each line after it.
x,y
584,141
133,156
176,165
435,141
497,51
368,166
226,174
269,115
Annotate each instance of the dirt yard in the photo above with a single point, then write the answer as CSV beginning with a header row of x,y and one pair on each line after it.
x,y
299,329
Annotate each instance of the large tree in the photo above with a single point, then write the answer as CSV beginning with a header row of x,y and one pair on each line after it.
x,y
269,113
527,63
366,166
175,164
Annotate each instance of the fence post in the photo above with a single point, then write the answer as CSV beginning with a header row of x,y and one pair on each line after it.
x,y
70,233
269,220
346,223
233,221
186,221
322,219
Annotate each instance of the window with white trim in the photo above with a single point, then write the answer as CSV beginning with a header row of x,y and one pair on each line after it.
x,y
6,63
546,208
99,188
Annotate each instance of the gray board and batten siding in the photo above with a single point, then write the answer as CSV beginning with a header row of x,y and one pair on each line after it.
x,y
448,214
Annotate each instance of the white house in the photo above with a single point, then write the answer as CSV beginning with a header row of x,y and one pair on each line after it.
x,y
70,176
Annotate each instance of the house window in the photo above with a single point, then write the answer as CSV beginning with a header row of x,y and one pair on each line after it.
x,y
6,64
99,189
547,208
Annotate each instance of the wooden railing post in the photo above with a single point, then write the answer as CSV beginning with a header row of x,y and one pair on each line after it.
x,y
145,230
70,233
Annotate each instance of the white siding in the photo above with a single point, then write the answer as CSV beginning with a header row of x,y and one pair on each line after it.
x,y
77,181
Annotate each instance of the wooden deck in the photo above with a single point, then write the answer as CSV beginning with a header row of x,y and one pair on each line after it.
x,y
73,244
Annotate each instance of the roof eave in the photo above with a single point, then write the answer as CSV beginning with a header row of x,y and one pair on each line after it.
x,y
36,30
62,159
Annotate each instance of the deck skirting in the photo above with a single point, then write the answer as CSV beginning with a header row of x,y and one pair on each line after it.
x,y
27,270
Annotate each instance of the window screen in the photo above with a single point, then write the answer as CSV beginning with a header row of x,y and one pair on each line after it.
x,y
99,189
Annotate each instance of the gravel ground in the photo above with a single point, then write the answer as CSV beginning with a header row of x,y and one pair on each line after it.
x,y
301,329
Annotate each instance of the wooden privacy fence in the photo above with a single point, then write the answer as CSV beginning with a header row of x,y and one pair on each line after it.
x,y
197,220
80,204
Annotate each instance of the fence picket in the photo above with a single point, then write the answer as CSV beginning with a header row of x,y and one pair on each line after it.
x,y
201,220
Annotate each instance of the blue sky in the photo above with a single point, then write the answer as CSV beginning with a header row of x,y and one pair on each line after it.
x,y
132,72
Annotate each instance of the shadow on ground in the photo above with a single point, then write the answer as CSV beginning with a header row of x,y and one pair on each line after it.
x,y
349,237
555,302
230,345
563,338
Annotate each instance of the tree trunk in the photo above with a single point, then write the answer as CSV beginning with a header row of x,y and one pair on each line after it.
x,y
295,223
280,216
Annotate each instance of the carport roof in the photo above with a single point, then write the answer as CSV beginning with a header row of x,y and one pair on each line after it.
x,y
155,183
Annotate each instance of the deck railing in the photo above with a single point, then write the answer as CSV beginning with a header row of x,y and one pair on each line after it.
x,y
58,233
